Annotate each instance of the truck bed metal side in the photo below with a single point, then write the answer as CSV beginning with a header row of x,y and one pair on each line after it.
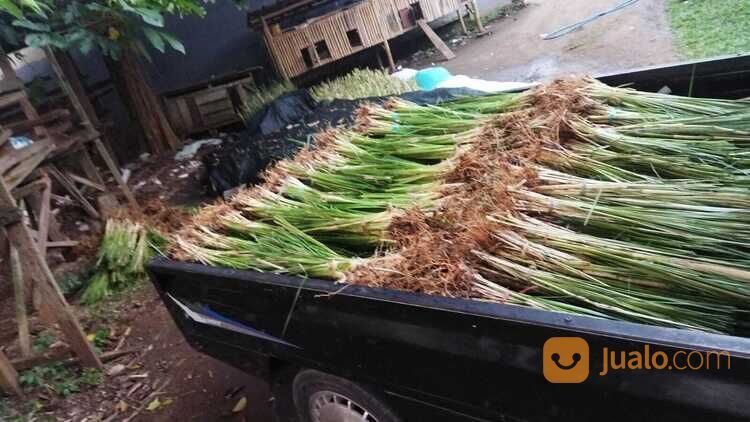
x,y
479,360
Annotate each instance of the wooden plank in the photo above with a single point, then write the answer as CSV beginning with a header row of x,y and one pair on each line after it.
x,y
10,215
11,98
44,217
19,173
92,172
8,376
29,188
436,41
34,201
22,319
12,157
63,354
73,190
43,120
62,244
64,81
85,181
70,73
389,56
30,112
5,134
463,23
52,301
115,173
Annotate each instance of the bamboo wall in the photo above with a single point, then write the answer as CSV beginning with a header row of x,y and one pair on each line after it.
x,y
375,21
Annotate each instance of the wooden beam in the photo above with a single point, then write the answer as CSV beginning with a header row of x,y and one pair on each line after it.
x,y
70,74
115,172
64,355
19,173
63,80
85,181
477,17
29,188
30,112
460,12
287,9
52,301
43,219
73,190
15,156
389,56
8,376
16,273
10,215
436,41
43,120
5,134
62,244
89,168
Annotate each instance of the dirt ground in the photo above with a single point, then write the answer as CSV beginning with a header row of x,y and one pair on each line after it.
x,y
200,388
632,37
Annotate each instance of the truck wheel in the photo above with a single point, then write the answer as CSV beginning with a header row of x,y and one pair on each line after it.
x,y
320,397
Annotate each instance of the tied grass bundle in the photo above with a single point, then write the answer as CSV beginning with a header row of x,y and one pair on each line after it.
x,y
260,96
362,83
125,249
573,197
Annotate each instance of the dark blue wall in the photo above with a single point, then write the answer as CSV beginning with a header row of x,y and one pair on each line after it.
x,y
218,44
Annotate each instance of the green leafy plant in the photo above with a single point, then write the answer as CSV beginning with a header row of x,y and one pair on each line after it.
x,y
42,342
91,377
62,380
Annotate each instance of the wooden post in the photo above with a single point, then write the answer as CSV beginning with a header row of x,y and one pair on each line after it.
x,y
268,42
388,55
52,301
84,115
68,184
115,172
22,319
477,16
69,72
436,41
460,12
44,217
8,376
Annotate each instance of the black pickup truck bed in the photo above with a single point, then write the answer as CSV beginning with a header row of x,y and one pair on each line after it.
x,y
431,358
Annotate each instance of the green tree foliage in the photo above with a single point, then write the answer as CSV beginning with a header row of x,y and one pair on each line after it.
x,y
110,25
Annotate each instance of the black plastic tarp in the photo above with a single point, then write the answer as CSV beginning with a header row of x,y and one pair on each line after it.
x,y
286,125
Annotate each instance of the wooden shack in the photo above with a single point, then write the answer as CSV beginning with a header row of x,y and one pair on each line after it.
x,y
302,35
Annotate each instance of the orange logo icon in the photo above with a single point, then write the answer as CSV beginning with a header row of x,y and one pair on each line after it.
x,y
566,360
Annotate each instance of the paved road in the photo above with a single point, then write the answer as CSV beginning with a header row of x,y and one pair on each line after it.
x,y
633,37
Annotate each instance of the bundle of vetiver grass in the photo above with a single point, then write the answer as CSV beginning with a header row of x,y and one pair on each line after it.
x,y
362,83
573,197
125,248
261,96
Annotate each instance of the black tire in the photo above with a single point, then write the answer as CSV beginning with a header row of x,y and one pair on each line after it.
x,y
310,385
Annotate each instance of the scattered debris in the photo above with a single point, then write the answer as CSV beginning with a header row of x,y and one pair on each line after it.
x,y
188,151
240,406
116,370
